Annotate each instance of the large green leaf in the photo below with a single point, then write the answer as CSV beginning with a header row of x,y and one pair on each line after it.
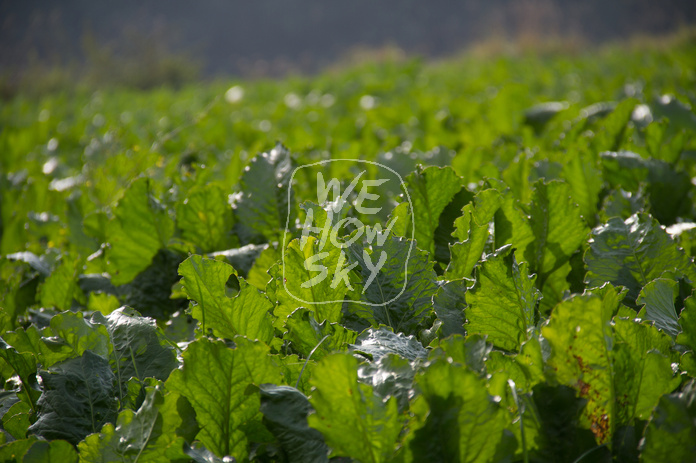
x,y
205,218
581,340
353,420
148,434
671,431
444,235
502,303
526,368
472,231
667,188
46,351
295,371
8,400
511,224
612,128
661,144
11,452
393,361
285,411
216,380
55,451
376,343
643,369
140,349
68,335
632,253
687,323
243,259
73,335
621,203
625,169
79,397
259,272
400,293
140,227
261,210
558,232
658,297
311,279
390,376
18,289
472,351
561,434
465,423
150,292
448,303
430,191
246,313
306,334
24,366
59,289
17,419
585,179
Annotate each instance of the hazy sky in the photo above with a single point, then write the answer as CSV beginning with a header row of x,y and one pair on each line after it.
x,y
227,35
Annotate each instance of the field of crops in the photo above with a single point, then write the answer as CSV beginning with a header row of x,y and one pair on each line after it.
x,y
176,285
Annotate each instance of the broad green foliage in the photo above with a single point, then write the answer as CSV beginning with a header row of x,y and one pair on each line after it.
x,y
244,313
465,423
581,341
306,334
621,370
658,297
643,366
667,188
615,126
502,303
139,348
511,224
217,379
585,179
632,253
76,335
262,208
13,451
140,227
78,399
561,436
60,287
558,232
152,433
687,324
205,218
430,191
285,411
50,452
400,295
472,233
671,430
448,305
325,297
377,343
354,421
526,295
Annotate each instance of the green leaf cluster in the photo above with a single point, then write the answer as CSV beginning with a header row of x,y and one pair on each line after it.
x,y
534,298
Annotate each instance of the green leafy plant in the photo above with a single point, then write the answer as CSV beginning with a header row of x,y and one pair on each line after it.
x,y
534,300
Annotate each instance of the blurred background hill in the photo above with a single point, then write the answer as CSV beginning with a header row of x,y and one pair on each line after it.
x,y
148,42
